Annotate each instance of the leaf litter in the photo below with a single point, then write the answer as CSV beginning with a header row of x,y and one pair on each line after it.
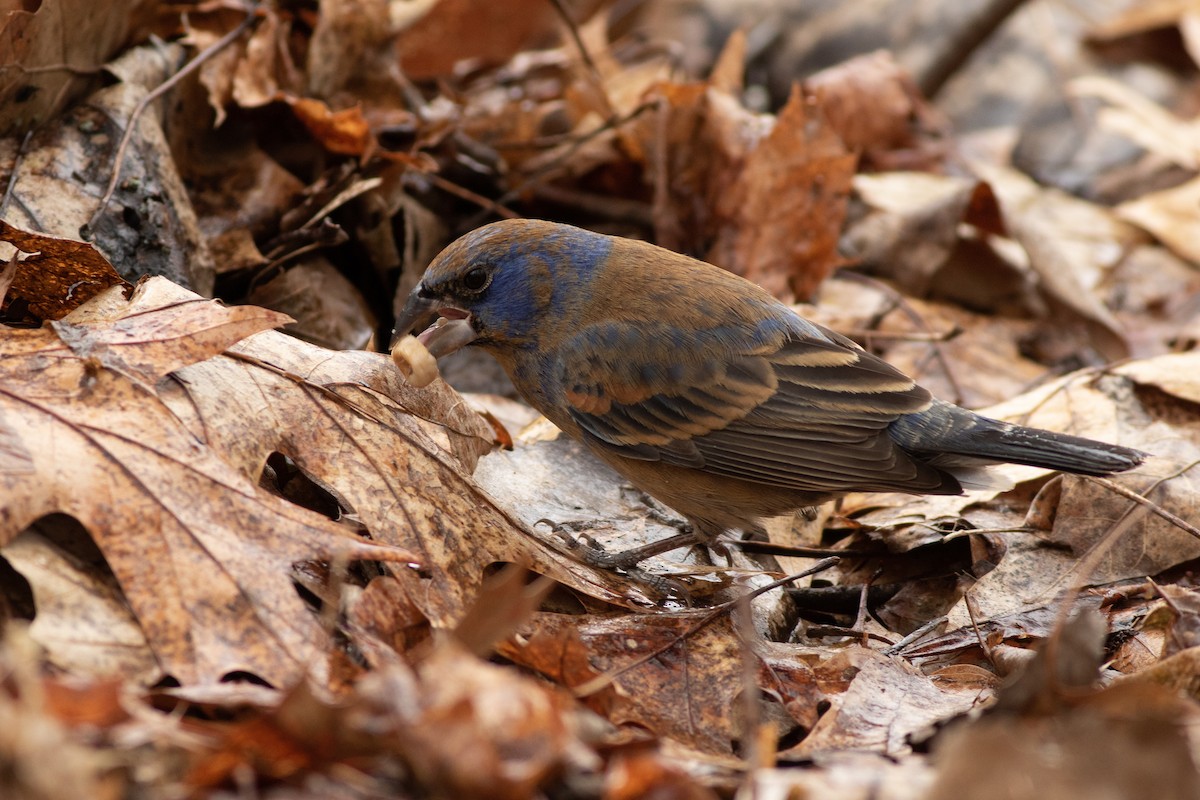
x,y
283,543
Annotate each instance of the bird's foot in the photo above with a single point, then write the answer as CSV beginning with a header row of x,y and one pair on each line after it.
x,y
573,532
574,535
656,510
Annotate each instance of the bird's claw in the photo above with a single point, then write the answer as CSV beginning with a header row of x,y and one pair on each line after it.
x,y
574,533
655,510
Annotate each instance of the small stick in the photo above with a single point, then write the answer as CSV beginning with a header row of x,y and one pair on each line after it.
x,y
156,93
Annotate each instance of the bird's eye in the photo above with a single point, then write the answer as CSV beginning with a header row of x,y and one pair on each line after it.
x,y
476,279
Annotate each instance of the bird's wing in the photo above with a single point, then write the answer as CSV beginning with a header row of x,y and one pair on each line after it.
x,y
795,406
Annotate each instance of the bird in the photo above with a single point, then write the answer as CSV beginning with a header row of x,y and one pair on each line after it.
x,y
701,388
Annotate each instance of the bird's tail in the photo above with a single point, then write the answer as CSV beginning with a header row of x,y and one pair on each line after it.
x,y
945,433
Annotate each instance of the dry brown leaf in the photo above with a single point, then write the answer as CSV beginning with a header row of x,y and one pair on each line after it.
x,y
1184,606
760,196
327,308
483,31
782,216
251,71
874,106
7,273
14,455
51,52
54,276
687,693
298,733
83,620
1179,672
145,348
642,774
344,131
886,703
170,516
48,761
519,732
1129,740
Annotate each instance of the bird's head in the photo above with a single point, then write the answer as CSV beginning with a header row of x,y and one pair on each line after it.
x,y
495,285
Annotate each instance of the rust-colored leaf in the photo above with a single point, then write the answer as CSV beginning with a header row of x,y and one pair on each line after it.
x,y
55,275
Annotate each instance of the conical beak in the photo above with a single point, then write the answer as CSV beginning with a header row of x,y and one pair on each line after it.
x,y
452,331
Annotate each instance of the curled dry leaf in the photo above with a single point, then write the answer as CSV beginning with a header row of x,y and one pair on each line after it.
x,y
49,52
202,554
1071,245
344,131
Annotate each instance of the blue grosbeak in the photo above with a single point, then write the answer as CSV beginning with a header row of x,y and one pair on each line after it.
x,y
700,387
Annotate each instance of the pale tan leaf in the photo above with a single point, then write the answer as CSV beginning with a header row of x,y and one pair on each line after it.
x,y
146,348
82,619
1172,216
14,455
1141,120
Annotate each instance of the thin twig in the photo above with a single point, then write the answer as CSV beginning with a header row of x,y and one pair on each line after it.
x,y
1153,507
12,179
496,207
157,92
586,56
915,636
973,614
52,68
